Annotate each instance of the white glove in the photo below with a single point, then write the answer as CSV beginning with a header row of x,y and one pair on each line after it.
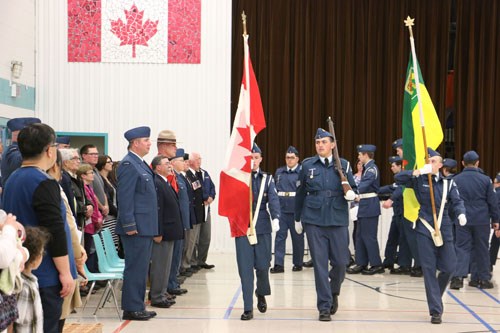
x,y
276,225
462,219
427,168
350,195
298,227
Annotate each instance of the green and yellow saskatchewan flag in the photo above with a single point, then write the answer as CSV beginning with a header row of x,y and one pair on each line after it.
x,y
413,142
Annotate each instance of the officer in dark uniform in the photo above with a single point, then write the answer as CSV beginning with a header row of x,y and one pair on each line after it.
x,y
258,256
495,240
480,200
443,257
286,184
11,157
409,233
322,210
367,249
396,236
137,221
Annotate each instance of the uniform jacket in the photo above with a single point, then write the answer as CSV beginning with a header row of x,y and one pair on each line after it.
x,y
320,197
11,161
476,190
136,197
184,203
370,183
286,181
208,185
269,200
197,186
421,187
169,213
396,193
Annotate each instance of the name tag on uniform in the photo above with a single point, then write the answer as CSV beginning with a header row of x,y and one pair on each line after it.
x,y
196,185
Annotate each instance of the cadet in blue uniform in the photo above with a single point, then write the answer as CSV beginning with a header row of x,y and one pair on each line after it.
x,y
442,258
367,249
449,170
396,236
480,200
409,233
495,240
11,157
137,221
258,256
322,210
286,184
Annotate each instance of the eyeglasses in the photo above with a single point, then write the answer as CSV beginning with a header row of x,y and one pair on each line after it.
x,y
92,154
89,172
75,158
109,162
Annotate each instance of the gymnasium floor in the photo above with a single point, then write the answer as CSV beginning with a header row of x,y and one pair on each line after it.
x,y
381,303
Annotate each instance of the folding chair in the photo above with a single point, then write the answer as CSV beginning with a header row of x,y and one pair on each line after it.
x,y
108,277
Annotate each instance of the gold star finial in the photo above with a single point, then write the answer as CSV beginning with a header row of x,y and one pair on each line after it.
x,y
409,21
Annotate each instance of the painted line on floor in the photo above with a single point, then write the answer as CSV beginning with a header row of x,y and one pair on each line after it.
x,y
489,295
122,326
475,315
229,309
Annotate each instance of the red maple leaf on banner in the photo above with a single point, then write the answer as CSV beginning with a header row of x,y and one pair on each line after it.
x,y
134,32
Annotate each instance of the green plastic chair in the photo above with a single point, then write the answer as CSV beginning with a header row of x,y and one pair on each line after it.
x,y
110,278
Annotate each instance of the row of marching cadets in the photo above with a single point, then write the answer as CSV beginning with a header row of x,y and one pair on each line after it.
x,y
310,198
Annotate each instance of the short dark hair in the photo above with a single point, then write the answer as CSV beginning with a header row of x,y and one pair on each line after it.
x,y
157,161
36,238
85,148
34,139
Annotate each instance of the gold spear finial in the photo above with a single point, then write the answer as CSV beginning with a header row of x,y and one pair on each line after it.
x,y
409,22
244,20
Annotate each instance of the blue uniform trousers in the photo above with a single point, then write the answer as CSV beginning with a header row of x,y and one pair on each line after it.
x,y
434,258
173,283
137,256
328,245
472,247
248,258
287,223
367,249
411,239
495,245
391,246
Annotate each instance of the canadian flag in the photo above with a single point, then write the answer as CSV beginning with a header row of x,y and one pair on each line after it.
x,y
234,192
134,31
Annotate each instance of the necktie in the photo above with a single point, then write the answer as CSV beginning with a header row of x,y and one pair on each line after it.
x,y
172,179
326,162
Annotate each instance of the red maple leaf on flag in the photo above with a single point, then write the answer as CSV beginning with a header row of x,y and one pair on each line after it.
x,y
134,32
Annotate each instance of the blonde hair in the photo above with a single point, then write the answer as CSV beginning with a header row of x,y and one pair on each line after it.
x,y
84,168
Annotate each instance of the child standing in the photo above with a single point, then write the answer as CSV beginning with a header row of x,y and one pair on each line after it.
x,y
29,303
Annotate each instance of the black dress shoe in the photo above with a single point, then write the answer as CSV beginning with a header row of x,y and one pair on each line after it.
x,y
416,272
247,315
389,266
309,264
474,283
436,318
163,304
261,303
324,315
456,283
136,315
373,270
178,291
207,266
296,268
355,269
485,284
277,269
335,304
187,273
401,271
195,268
151,313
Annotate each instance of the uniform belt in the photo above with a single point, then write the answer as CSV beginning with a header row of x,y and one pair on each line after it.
x,y
326,193
286,194
368,195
